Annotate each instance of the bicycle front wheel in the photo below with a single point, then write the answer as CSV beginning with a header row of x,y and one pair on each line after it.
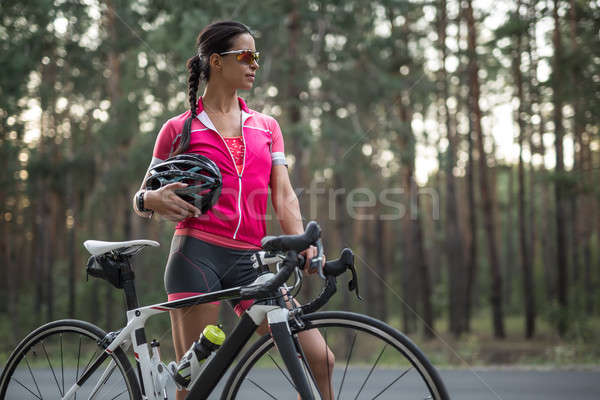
x,y
372,361
48,362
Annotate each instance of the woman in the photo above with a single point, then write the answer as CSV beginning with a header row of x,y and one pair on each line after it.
x,y
212,251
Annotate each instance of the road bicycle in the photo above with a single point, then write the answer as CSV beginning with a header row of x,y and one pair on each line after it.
x,y
72,359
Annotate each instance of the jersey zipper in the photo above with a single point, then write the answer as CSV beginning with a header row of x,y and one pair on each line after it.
x,y
235,169
240,177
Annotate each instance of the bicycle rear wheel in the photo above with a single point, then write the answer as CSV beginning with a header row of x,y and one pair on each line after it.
x,y
372,361
48,362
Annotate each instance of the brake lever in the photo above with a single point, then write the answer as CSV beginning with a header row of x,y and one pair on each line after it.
x,y
353,283
317,262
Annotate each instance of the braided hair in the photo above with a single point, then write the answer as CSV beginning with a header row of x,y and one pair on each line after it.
x,y
214,38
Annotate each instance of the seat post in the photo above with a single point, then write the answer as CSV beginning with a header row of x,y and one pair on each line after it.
x,y
130,295
128,277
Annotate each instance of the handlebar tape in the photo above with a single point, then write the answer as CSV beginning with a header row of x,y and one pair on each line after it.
x,y
295,243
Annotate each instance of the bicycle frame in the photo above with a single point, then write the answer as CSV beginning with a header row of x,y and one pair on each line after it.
x,y
134,333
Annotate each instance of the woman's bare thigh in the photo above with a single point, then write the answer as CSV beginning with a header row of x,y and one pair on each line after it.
x,y
188,323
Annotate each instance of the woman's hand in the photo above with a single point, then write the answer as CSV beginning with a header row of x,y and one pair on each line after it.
x,y
168,204
309,254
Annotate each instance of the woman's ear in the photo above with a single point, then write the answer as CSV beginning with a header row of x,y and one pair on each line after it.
x,y
216,62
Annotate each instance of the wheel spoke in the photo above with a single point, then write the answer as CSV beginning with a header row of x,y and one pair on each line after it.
x,y
114,366
62,366
261,388
26,388
346,368
282,372
390,385
124,391
51,368
78,357
370,372
33,377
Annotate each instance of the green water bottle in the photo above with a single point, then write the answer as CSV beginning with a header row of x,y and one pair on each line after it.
x,y
191,364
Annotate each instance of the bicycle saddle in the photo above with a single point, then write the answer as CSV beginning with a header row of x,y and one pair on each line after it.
x,y
129,248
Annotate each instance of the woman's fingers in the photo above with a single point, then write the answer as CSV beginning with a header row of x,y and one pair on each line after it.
x,y
174,198
308,255
173,186
187,207
173,207
179,212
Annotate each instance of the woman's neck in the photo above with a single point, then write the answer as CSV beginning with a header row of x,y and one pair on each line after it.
x,y
220,100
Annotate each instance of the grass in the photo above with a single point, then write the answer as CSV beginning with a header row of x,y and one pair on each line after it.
x,y
581,347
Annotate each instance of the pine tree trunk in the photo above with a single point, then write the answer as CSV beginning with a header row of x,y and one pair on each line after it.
x,y
559,189
508,263
526,262
50,254
453,239
422,266
486,196
381,264
366,244
298,147
543,218
578,198
532,89
38,247
409,290
70,237
473,252
294,31
417,268
588,286
9,275
472,243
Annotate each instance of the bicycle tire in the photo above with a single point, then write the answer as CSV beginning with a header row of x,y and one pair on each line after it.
x,y
22,377
407,355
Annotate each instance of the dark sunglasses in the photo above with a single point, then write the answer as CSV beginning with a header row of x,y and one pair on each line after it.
x,y
245,56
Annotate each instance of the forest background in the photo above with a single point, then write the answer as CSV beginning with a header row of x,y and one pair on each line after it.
x,y
453,145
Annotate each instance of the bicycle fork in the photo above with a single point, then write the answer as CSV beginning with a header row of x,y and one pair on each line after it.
x,y
282,336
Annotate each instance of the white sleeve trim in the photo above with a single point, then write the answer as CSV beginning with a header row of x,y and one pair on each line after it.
x,y
278,158
155,161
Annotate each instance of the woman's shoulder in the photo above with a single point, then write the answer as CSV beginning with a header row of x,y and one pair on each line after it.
x,y
262,120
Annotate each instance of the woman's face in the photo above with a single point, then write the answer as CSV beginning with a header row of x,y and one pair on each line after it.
x,y
239,74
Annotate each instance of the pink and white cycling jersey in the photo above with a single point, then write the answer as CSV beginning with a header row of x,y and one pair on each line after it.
x,y
240,211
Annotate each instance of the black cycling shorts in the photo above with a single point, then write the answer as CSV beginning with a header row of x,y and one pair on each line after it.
x,y
196,267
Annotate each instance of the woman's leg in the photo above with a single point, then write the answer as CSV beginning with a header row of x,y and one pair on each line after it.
x,y
320,359
319,356
186,326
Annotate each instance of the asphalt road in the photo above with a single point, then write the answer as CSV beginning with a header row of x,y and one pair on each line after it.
x,y
492,385
521,384
462,384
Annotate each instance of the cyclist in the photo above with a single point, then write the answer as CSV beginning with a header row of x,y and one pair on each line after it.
x,y
212,251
